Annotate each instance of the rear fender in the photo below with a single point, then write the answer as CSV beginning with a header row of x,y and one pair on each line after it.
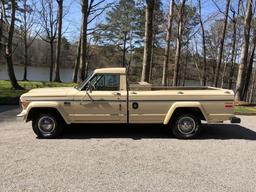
x,y
183,105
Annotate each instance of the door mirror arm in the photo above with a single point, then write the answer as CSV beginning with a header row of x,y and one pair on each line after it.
x,y
89,87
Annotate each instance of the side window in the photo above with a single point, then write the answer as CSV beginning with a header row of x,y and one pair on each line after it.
x,y
106,82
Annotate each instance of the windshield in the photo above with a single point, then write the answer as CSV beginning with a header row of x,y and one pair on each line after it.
x,y
80,85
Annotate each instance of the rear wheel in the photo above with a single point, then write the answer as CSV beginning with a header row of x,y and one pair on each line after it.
x,y
186,126
47,125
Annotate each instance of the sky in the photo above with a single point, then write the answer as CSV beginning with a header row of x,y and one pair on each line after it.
x,y
72,20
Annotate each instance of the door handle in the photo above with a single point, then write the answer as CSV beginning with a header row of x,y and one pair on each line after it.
x,y
116,94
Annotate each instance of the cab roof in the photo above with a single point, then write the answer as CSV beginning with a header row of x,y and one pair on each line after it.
x,y
119,70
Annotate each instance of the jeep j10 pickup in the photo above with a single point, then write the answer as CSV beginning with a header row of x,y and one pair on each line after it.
x,y
107,97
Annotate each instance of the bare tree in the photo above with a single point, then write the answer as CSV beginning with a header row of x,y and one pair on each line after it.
x,y
168,40
76,68
149,9
195,55
90,11
9,46
185,66
27,20
203,42
57,62
83,53
48,22
244,53
250,67
251,98
178,43
222,41
234,44
1,30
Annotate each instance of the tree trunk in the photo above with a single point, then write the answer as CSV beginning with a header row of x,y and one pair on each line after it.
x,y
248,75
148,40
168,40
1,34
57,63
234,49
250,67
25,41
178,44
185,71
124,49
244,52
52,58
9,50
222,41
203,44
25,59
75,73
83,56
251,97
151,63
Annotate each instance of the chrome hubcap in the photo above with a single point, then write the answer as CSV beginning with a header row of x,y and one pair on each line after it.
x,y
46,125
186,125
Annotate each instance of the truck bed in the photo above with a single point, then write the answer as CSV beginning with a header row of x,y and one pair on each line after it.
x,y
149,87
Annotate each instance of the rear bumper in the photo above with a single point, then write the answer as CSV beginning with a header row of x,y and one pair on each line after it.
x,y
235,120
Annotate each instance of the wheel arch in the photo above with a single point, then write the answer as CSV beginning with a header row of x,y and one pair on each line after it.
x,y
36,110
185,107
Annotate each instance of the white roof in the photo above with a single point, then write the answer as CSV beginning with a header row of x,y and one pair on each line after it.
x,y
119,70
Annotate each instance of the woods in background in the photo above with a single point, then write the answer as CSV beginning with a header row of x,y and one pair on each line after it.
x,y
161,45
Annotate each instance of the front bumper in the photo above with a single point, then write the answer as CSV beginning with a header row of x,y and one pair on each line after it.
x,y
235,120
23,114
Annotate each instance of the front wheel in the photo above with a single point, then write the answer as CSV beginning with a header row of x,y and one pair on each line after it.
x,y
186,126
47,126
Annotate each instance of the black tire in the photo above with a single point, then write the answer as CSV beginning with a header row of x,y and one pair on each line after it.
x,y
53,129
186,126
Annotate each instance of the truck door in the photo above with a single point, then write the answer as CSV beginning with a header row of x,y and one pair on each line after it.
x,y
100,101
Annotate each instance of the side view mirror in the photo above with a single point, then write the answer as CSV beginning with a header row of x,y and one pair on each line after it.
x,y
89,87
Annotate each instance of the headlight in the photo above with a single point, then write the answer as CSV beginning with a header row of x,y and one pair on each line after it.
x,y
24,103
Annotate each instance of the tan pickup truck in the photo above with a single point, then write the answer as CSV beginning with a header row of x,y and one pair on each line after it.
x,y
107,97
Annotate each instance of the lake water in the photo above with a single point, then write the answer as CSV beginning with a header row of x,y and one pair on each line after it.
x,y
42,74
36,73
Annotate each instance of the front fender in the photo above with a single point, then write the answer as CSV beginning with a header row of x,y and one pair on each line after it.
x,y
183,105
48,104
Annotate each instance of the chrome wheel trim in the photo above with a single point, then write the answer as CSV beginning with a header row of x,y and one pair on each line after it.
x,y
46,125
186,125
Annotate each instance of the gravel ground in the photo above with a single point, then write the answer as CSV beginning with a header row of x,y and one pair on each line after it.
x,y
117,158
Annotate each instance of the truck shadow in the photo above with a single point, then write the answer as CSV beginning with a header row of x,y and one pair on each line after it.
x,y
136,132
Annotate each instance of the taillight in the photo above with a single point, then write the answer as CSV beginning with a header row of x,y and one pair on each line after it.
x,y
228,105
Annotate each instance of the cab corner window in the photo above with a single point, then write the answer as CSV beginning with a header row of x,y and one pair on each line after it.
x,y
106,82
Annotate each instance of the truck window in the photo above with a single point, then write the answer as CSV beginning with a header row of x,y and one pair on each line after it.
x,y
106,82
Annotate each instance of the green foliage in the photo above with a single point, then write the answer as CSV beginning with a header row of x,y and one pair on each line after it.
x,y
120,25
159,20
245,110
7,92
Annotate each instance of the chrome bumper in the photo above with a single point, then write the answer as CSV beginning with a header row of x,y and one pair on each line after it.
x,y
23,114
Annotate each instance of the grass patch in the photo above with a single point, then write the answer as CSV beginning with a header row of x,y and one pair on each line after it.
x,y
245,110
7,93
